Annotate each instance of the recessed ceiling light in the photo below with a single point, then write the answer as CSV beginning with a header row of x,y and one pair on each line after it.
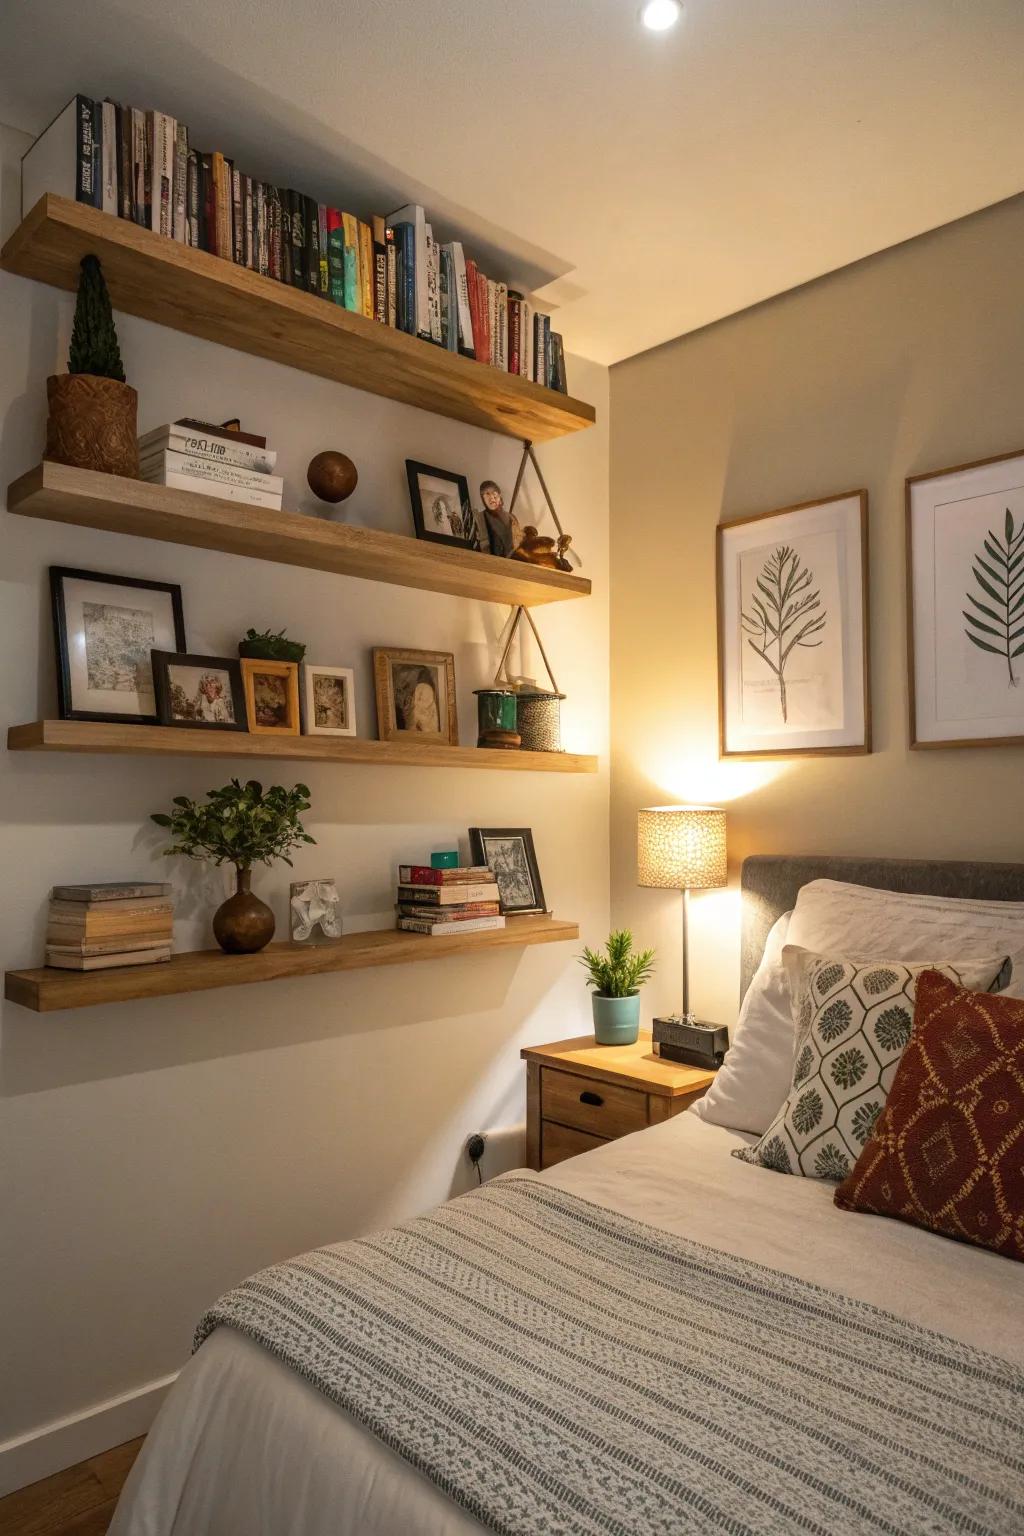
x,y
659,15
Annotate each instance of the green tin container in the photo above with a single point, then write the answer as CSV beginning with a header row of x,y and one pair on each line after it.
x,y
497,710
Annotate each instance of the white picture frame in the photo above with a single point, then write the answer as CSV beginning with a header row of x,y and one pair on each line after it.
x,y
328,700
793,631
965,608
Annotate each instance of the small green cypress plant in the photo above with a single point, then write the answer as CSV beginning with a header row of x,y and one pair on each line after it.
x,y
94,347
618,972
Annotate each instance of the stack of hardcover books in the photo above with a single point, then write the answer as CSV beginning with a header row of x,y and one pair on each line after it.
x,y
143,166
442,902
216,461
104,927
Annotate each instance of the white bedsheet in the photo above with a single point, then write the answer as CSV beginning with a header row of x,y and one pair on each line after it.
x,y
244,1447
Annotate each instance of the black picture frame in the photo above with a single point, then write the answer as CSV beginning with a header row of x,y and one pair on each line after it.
x,y
461,486
162,663
59,574
480,837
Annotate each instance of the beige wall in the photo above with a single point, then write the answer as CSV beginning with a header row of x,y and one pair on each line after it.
x,y
910,361
155,1153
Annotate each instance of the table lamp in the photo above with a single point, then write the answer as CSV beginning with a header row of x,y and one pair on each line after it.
x,y
682,848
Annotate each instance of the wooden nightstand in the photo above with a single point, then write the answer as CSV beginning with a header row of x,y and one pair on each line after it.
x,y
579,1094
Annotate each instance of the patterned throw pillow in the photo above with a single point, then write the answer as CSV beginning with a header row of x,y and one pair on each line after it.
x,y
947,1152
853,1023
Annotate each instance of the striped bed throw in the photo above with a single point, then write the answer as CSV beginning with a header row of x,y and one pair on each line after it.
x,y
556,1368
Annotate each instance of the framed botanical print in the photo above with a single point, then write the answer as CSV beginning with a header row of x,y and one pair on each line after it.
x,y
510,855
416,696
328,702
793,630
965,579
105,629
203,692
271,696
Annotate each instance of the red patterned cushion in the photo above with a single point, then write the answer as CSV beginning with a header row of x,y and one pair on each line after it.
x,y
947,1152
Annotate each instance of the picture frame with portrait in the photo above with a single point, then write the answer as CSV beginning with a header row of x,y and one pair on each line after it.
x,y
511,857
271,696
328,700
105,629
202,693
415,696
441,508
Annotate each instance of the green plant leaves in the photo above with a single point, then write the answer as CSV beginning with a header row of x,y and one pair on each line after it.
x,y
618,972
238,824
1001,578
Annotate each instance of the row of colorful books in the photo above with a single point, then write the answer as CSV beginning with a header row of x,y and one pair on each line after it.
x,y
445,902
215,461
142,166
109,926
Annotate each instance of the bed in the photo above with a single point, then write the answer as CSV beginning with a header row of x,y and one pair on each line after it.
x,y
923,1434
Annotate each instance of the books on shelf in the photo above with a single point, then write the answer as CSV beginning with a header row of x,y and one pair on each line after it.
x,y
109,925
442,902
141,165
211,460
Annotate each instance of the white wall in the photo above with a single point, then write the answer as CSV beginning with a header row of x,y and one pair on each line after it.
x,y
153,1154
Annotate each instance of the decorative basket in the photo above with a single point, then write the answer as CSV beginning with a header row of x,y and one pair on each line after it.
x,y
538,710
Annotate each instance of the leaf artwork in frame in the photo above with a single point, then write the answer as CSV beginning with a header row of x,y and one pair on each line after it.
x,y
787,614
999,572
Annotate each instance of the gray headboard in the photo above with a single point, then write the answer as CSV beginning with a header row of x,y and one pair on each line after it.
x,y
769,883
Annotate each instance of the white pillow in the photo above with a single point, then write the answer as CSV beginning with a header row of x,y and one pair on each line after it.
x,y
755,1077
860,922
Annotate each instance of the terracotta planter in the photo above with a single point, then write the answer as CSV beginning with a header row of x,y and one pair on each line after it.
x,y
93,423
243,924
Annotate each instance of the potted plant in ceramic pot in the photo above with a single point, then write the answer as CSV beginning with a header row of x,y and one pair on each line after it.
x,y
93,415
243,826
616,977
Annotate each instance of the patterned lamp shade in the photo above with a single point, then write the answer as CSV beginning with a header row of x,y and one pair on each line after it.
x,y
681,847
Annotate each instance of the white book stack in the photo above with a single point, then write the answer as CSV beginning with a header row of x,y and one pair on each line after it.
x,y
213,463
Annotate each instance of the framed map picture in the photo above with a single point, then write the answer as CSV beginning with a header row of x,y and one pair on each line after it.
x,y
793,630
965,567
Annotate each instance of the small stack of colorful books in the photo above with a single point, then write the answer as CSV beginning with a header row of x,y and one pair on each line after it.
x,y
442,902
103,927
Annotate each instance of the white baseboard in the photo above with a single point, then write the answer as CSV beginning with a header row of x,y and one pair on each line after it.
x,y
61,1444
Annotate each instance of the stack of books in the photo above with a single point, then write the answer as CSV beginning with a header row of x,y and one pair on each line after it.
x,y
107,926
142,166
442,902
217,461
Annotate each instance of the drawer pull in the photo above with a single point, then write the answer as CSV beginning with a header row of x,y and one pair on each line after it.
x,y
591,1098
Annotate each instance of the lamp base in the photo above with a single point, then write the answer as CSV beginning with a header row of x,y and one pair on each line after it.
x,y
691,1042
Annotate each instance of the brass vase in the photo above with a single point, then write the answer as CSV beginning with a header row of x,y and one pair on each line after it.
x,y
243,924
92,424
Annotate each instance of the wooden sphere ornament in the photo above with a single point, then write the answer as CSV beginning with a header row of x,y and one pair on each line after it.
x,y
332,476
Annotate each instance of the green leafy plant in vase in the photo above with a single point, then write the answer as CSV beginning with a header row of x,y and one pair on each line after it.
x,y
93,413
616,976
242,825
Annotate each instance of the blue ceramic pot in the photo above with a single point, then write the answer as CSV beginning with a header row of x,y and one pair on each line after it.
x,y
616,1019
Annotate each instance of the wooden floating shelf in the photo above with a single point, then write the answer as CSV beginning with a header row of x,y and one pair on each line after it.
x,y
174,741
162,280
61,494
45,990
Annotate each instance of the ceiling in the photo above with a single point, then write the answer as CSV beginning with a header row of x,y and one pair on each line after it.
x,y
661,181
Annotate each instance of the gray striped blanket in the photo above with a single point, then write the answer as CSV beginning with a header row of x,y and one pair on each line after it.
x,y
555,1368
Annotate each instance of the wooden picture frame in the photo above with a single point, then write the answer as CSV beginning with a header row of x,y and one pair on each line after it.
x,y
965,656
803,570
217,694
97,673
441,506
262,700
316,710
510,855
432,715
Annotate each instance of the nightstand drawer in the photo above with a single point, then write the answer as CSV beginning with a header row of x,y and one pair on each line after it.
x,y
603,1109
559,1142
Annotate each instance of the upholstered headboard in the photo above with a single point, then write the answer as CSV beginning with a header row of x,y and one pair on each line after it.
x,y
770,882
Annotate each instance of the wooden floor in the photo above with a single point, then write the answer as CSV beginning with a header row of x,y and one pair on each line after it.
x,y
76,1502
